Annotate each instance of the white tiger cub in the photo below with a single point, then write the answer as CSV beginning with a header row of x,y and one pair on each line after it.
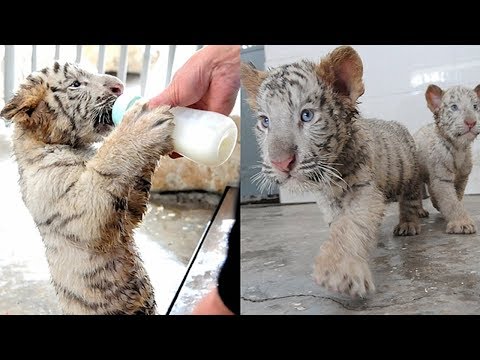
x,y
85,202
312,138
445,152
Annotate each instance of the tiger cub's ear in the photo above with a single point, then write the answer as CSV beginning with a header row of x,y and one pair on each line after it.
x,y
477,90
342,69
251,79
434,95
21,106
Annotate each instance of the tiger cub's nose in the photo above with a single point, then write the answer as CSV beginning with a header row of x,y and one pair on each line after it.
x,y
286,164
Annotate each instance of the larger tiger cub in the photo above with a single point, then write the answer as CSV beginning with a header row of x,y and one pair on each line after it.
x,y
312,139
85,202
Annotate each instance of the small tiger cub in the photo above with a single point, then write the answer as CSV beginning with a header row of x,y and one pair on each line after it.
x,y
445,152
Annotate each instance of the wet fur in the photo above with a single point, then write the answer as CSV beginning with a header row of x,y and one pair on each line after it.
x,y
352,165
445,153
86,203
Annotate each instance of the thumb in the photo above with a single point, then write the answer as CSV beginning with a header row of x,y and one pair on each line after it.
x,y
166,97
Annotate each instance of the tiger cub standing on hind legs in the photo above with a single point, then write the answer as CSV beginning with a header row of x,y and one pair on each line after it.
x,y
85,202
312,139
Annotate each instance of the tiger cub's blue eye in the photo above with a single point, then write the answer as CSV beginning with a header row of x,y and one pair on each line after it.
x,y
265,121
307,115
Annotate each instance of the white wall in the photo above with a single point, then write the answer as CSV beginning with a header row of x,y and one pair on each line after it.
x,y
396,77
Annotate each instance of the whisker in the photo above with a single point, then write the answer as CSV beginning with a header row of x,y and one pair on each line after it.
x,y
263,182
328,171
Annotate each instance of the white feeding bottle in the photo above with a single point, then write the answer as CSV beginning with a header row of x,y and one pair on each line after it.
x,y
204,137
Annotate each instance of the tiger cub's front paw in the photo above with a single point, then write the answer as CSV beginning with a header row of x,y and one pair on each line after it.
x,y
407,228
150,127
464,226
161,128
349,275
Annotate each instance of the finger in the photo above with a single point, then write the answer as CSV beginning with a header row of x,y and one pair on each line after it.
x,y
166,97
216,104
188,85
223,107
222,93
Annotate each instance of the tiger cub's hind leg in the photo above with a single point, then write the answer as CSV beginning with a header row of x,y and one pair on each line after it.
x,y
422,213
410,206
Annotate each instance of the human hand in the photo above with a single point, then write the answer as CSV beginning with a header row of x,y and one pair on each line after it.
x,y
211,304
209,80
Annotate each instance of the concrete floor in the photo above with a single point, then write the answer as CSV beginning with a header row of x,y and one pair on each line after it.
x,y
166,240
433,273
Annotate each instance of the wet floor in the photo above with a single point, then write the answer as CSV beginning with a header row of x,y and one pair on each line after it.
x,y
167,239
203,274
433,273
